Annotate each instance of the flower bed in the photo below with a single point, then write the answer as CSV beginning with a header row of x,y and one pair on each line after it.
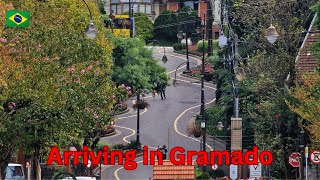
x,y
107,130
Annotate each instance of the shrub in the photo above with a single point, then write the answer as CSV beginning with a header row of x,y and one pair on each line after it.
x,y
133,145
141,104
101,144
121,107
196,131
120,146
179,46
107,130
200,46
203,176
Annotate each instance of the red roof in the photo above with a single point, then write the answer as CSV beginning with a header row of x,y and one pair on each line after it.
x,y
306,61
170,171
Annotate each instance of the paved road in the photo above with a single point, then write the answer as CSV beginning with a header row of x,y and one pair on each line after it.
x,y
165,121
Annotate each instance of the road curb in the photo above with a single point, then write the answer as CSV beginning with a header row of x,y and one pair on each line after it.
x,y
110,134
192,55
122,112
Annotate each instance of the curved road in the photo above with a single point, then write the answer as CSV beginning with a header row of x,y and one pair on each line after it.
x,y
165,122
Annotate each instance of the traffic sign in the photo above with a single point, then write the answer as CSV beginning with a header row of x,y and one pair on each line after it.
x,y
255,171
294,159
233,171
214,167
315,157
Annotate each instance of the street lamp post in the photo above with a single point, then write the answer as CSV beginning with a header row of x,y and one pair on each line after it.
x,y
138,121
181,35
164,57
203,119
91,31
175,83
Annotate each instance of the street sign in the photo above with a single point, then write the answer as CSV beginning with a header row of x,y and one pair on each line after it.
x,y
294,159
233,171
214,167
315,157
255,171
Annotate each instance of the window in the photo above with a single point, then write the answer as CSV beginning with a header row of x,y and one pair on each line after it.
x,y
142,8
146,0
135,8
148,9
124,1
190,4
114,8
119,9
125,7
114,1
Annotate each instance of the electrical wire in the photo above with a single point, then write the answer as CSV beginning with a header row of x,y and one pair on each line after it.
x,y
180,23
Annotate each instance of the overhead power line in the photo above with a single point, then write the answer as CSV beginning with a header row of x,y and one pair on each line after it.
x,y
180,23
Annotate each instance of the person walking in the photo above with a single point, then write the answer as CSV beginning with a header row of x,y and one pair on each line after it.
x,y
154,90
159,149
162,90
164,152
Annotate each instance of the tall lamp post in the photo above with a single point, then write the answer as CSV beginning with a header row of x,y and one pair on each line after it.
x,y
182,35
202,115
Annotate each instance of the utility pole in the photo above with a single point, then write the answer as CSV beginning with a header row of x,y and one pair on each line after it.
x,y
209,28
131,18
138,119
187,50
203,119
302,152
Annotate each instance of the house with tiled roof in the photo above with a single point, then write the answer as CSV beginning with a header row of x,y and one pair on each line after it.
x,y
169,171
306,61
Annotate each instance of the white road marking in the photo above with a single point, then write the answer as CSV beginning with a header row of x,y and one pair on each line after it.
x,y
175,122
177,119
126,117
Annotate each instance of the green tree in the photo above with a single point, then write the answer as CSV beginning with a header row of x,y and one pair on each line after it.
x,y
261,78
168,24
143,26
306,104
134,64
55,90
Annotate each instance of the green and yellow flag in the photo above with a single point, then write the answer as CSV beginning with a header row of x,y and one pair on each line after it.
x,y
16,18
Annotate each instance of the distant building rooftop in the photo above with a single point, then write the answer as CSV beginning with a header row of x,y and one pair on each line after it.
x,y
170,171
306,61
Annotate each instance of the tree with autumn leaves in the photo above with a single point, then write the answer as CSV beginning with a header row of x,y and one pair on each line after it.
x,y
263,68
306,103
55,86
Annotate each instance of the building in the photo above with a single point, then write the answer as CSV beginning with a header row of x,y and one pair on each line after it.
x,y
167,170
306,61
153,8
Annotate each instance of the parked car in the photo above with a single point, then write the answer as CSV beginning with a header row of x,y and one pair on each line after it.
x,y
80,178
14,172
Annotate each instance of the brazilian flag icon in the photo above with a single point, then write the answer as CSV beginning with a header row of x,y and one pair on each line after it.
x,y
16,18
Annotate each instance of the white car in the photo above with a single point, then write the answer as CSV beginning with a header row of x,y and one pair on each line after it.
x,y
14,172
80,178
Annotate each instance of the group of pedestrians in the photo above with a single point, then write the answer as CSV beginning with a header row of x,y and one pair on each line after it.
x,y
164,151
159,88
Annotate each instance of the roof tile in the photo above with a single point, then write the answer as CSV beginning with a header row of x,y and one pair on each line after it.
x,y
306,61
170,171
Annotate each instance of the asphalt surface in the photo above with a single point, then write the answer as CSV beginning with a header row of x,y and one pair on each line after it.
x,y
165,122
